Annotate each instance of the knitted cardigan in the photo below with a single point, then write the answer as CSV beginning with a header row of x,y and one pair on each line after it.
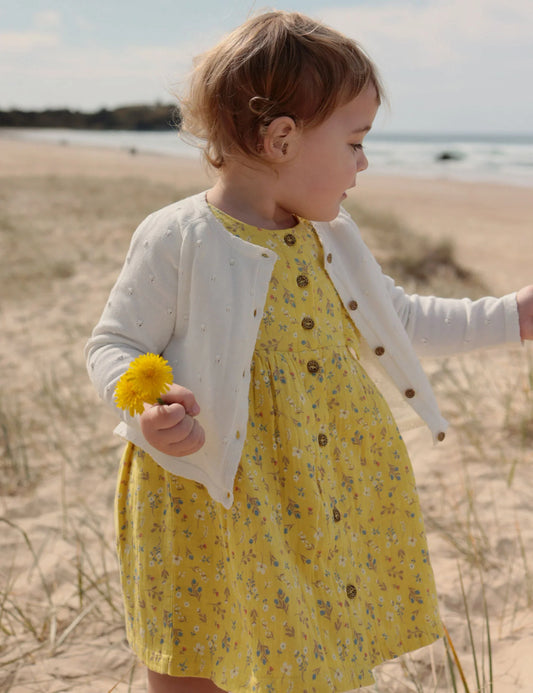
x,y
195,293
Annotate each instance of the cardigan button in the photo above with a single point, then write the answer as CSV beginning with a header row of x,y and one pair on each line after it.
x,y
410,393
351,591
308,323
336,515
353,305
322,439
302,280
329,258
379,351
289,239
441,436
313,366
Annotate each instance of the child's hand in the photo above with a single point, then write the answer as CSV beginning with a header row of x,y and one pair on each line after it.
x,y
171,427
524,299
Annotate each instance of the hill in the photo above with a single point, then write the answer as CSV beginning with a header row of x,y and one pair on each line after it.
x,y
135,117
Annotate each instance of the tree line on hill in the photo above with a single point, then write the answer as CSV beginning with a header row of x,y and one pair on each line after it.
x,y
141,117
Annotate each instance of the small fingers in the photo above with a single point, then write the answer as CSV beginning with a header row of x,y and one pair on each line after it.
x,y
177,433
172,432
191,443
160,417
181,395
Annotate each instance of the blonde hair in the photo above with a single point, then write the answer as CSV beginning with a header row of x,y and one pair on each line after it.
x,y
275,64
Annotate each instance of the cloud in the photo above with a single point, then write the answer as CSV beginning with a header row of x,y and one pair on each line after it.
x,y
42,34
25,41
39,70
449,64
44,66
48,19
437,32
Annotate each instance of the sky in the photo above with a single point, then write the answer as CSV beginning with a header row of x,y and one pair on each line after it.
x,y
448,65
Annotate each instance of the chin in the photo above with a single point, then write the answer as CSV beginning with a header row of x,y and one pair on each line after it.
x,y
323,213
327,216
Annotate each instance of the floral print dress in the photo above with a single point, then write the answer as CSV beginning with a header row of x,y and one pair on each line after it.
x,y
320,569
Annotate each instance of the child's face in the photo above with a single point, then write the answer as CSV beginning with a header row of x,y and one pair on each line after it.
x,y
327,159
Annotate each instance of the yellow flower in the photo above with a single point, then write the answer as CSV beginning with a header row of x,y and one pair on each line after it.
x,y
147,378
151,376
127,398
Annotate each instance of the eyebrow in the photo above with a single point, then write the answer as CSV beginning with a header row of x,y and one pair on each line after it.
x,y
356,131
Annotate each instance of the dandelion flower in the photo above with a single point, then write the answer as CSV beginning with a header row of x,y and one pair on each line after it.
x,y
127,397
151,376
147,378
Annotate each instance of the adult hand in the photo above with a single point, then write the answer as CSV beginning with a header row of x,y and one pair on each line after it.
x,y
171,427
524,299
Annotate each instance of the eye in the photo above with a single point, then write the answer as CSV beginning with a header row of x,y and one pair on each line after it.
x,y
357,147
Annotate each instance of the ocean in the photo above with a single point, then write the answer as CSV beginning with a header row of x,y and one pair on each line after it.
x,y
494,158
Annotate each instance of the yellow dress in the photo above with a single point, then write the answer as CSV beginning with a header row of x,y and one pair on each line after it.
x,y
320,570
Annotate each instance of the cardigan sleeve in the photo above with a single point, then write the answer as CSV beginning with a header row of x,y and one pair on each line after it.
x,y
140,315
445,326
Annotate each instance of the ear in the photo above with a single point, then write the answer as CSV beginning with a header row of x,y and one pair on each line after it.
x,y
279,139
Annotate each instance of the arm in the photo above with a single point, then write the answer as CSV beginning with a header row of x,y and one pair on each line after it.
x,y
435,326
140,314
140,317
444,326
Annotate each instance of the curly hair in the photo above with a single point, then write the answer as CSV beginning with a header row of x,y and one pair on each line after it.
x,y
275,64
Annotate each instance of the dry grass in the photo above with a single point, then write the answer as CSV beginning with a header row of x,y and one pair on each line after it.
x,y
62,241
416,263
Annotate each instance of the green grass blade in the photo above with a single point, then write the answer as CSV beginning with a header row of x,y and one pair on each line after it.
x,y
470,633
456,660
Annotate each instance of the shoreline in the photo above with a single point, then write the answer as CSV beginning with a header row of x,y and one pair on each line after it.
x,y
172,145
487,223
35,157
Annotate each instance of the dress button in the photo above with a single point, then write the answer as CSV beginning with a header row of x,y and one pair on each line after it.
x,y
329,257
313,366
308,323
336,515
322,439
302,280
410,393
441,436
379,351
289,238
353,305
351,591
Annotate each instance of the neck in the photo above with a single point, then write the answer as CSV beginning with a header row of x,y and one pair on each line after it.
x,y
249,194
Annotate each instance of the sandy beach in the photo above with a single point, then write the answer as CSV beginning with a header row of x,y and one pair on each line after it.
x,y
66,216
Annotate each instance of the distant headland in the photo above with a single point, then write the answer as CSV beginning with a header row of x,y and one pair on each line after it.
x,y
138,117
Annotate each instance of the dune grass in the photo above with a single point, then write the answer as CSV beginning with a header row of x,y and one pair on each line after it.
x,y
59,587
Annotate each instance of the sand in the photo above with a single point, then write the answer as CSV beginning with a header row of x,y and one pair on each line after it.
x,y
66,216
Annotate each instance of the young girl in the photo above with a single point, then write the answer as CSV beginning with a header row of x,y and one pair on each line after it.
x,y
269,531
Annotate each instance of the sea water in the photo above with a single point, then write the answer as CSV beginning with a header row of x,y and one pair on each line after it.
x,y
496,158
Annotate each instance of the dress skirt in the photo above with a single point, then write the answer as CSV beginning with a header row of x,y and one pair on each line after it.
x,y
320,569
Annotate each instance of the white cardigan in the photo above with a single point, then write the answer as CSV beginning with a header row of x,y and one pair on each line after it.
x,y
195,293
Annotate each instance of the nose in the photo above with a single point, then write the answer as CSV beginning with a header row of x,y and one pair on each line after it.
x,y
362,162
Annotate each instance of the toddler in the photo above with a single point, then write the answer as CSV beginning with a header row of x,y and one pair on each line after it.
x,y
269,531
